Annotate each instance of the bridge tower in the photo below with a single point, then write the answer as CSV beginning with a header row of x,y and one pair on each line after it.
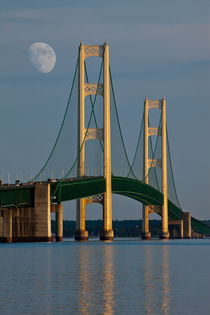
x,y
149,162
86,89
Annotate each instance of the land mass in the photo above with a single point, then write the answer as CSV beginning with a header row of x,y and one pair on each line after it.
x,y
125,228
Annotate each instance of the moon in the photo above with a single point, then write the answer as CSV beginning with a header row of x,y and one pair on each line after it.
x,y
42,56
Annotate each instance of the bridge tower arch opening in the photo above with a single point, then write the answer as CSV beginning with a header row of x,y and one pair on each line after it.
x,y
104,133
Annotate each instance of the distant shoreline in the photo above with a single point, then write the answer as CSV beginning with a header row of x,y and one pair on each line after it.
x,y
122,228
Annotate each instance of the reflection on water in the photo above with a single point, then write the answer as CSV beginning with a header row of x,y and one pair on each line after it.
x,y
122,277
84,292
147,280
48,283
108,280
165,281
89,279
156,277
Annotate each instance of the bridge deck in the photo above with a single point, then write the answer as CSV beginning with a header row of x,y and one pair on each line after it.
x,y
70,189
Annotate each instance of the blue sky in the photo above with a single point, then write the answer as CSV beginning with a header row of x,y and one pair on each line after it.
x,y
157,48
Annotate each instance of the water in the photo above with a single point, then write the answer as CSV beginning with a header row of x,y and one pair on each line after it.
x,y
120,277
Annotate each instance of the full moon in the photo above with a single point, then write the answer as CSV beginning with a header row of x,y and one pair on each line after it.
x,y
42,56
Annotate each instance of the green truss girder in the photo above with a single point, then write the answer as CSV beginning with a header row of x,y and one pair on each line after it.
x,y
70,189
137,190
16,196
77,188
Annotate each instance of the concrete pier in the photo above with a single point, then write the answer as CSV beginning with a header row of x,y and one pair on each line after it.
x,y
1,225
16,225
59,223
42,213
58,210
7,226
145,235
187,225
107,235
181,229
81,235
32,224
177,229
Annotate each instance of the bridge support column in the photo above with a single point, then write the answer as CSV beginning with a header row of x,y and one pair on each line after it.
x,y
107,233
1,224
23,219
42,214
145,235
81,234
7,226
181,229
59,223
176,228
22,225
164,232
16,224
28,222
187,225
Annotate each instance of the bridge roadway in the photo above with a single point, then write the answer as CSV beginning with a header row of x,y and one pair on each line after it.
x,y
22,195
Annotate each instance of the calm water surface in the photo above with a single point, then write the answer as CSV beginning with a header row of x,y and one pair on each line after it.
x,y
120,277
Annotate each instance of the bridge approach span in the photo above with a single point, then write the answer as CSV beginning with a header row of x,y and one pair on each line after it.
x,y
15,196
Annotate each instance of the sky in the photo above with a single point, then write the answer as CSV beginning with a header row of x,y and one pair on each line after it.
x,y
157,48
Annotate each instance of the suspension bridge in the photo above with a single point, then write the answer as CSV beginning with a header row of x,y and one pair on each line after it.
x,y
89,163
